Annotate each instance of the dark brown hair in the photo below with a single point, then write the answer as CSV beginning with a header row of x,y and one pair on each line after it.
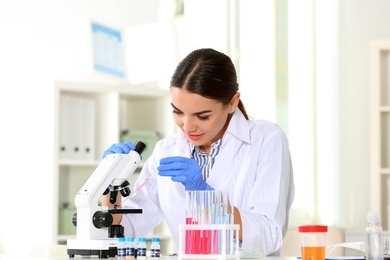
x,y
208,73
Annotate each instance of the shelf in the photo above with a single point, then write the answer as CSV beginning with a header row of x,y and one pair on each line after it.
x,y
385,171
140,90
66,237
78,163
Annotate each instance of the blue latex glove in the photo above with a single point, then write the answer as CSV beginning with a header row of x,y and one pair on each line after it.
x,y
123,148
184,170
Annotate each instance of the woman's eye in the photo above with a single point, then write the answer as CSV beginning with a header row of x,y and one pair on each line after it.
x,y
203,117
177,112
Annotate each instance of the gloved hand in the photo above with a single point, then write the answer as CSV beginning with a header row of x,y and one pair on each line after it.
x,y
124,147
184,170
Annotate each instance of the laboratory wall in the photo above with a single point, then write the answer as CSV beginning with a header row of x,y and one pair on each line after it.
x,y
359,22
39,46
26,116
71,36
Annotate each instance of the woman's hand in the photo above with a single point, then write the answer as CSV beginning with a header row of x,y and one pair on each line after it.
x,y
123,148
184,170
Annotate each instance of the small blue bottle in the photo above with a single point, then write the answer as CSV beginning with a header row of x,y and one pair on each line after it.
x,y
121,253
155,247
130,248
141,248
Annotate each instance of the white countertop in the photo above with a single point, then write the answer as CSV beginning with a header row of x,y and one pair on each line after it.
x,y
66,257
59,252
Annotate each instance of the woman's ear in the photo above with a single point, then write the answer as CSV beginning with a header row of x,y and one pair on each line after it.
x,y
234,102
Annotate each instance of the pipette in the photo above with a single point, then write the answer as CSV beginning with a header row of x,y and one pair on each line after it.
x,y
142,184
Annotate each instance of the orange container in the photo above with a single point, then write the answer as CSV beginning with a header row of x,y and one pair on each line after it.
x,y
313,241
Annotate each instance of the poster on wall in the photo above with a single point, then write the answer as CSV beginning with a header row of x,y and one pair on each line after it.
x,y
108,50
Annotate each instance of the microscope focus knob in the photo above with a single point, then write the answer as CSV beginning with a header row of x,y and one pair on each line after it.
x,y
116,231
102,219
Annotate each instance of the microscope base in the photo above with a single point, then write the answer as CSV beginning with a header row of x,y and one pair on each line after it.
x,y
102,248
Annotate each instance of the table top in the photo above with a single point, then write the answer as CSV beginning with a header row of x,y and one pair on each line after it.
x,y
59,252
66,257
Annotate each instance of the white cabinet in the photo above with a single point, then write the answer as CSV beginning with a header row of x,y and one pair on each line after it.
x,y
89,117
380,129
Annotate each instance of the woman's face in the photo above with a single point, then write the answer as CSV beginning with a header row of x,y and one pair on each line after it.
x,y
202,120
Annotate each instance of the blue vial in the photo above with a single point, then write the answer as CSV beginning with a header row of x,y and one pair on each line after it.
x,y
130,248
141,248
155,247
121,248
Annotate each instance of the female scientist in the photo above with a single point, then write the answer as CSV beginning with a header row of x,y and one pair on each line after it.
x,y
219,148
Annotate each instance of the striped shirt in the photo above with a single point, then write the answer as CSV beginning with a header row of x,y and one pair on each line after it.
x,y
206,161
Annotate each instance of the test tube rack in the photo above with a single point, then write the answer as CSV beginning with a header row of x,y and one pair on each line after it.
x,y
229,247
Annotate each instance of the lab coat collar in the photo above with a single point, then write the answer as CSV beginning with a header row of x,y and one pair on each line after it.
x,y
239,126
184,144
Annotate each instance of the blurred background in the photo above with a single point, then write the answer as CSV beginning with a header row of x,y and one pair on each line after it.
x,y
311,66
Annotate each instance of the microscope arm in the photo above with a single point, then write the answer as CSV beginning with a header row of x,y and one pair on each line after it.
x,y
113,169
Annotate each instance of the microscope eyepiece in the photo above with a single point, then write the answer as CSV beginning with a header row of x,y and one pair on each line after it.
x,y
140,147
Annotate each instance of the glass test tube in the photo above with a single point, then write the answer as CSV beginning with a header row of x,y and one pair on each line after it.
x,y
189,213
206,234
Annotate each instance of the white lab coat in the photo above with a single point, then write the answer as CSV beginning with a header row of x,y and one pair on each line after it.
x,y
254,165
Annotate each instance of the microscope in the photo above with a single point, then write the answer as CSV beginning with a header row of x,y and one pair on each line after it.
x,y
95,233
